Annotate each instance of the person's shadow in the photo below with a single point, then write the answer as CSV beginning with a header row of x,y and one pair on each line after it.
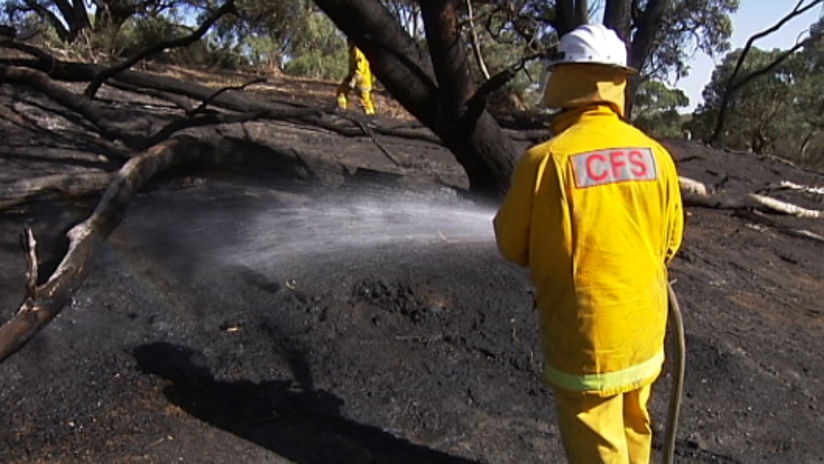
x,y
288,417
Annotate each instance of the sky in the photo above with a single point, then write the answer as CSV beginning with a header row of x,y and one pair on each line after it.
x,y
753,16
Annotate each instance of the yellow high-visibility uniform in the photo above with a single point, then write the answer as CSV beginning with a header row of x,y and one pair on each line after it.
x,y
596,215
614,430
359,79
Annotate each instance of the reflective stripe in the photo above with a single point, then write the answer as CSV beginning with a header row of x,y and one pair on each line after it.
x,y
606,381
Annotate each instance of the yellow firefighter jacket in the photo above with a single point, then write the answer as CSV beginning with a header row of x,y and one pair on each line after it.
x,y
360,74
596,214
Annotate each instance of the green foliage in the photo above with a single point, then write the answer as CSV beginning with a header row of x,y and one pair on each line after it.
x,y
689,26
655,110
754,110
779,112
135,34
292,36
263,52
319,51
507,33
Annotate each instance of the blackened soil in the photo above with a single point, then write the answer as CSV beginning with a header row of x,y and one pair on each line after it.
x,y
189,342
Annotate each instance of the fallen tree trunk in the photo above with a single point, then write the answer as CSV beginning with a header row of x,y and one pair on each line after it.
x,y
755,216
43,302
25,72
698,194
71,185
751,206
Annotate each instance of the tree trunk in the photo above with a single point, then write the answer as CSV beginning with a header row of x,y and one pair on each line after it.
x,y
569,15
52,19
475,139
618,16
646,26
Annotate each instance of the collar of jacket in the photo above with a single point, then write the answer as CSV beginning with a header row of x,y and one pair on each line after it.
x,y
570,117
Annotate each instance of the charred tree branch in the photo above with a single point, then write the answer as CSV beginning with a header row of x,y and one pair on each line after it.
x,y
478,101
733,83
213,96
756,216
200,120
86,108
476,46
29,49
698,194
29,244
72,185
45,301
100,78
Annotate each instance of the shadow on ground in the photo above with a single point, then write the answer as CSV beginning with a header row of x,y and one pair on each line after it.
x,y
290,418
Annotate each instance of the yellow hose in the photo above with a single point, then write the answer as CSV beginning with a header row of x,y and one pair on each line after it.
x,y
679,359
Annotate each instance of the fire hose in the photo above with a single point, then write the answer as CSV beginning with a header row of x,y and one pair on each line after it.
x,y
678,353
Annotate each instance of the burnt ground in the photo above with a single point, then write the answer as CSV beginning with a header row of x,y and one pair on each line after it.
x,y
254,317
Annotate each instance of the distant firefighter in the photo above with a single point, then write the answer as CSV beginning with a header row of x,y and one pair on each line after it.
x,y
358,79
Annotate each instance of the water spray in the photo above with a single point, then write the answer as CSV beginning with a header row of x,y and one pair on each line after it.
x,y
364,219
387,217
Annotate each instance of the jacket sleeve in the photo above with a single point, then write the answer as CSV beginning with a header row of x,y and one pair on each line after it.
x,y
675,219
515,214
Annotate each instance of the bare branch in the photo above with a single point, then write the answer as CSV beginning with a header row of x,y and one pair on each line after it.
x,y
71,185
30,248
100,78
476,46
368,131
45,301
86,108
698,194
477,102
213,96
733,83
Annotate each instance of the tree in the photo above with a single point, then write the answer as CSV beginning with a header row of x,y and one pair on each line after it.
x,y
736,80
777,112
461,122
437,90
809,124
669,32
68,18
290,36
656,109
435,84
753,110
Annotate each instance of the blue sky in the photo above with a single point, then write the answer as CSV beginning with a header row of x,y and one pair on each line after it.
x,y
753,16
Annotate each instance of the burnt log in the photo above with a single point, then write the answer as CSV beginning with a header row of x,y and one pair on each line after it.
x,y
46,300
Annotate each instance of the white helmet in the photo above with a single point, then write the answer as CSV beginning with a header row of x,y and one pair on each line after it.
x,y
593,44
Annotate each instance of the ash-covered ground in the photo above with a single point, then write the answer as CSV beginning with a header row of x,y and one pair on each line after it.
x,y
250,317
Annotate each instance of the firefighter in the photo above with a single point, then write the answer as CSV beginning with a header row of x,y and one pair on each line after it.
x,y
358,79
596,215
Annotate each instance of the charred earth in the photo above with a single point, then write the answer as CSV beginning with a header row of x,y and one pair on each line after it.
x,y
361,314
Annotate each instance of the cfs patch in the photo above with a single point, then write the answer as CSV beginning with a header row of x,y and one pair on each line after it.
x,y
613,165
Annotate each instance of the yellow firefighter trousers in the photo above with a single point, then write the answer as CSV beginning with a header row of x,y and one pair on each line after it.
x,y
609,430
363,91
